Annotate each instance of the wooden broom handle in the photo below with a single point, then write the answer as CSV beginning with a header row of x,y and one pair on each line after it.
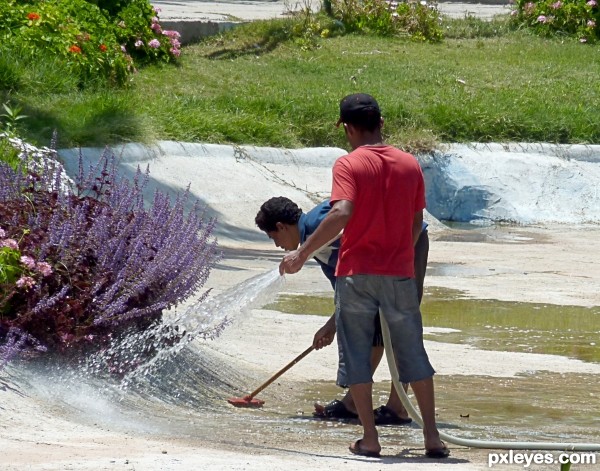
x,y
280,372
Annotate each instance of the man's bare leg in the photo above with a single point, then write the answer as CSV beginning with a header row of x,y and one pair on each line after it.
x,y
363,400
424,392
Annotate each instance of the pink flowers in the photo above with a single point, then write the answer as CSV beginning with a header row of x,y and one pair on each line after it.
x,y
10,243
25,282
154,43
44,268
66,337
171,34
28,262
561,16
156,28
139,43
174,37
23,266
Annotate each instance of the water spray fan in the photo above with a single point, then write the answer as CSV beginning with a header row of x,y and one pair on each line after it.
x,y
250,400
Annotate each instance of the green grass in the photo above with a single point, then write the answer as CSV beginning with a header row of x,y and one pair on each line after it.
x,y
8,154
498,86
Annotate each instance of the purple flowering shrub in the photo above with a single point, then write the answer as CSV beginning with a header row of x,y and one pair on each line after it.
x,y
80,268
576,18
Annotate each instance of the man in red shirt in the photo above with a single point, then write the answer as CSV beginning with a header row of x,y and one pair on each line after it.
x,y
377,199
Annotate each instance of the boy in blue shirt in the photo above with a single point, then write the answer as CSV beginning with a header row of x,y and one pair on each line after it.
x,y
285,223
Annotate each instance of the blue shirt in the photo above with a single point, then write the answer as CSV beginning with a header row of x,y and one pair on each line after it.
x,y
327,258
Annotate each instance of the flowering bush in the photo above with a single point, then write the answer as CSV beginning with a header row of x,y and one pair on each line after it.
x,y
73,32
94,44
81,267
577,18
140,33
419,20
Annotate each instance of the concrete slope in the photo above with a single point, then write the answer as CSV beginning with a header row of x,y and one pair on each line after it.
x,y
232,181
524,184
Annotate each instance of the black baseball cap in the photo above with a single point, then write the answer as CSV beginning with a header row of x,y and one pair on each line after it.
x,y
358,108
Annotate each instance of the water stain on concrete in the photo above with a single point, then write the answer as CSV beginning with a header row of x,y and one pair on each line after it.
x,y
571,331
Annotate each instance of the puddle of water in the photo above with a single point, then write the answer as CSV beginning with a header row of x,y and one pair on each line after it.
x,y
303,304
544,406
570,331
456,269
495,233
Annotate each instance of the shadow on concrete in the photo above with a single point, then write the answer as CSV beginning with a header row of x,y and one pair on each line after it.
x,y
70,160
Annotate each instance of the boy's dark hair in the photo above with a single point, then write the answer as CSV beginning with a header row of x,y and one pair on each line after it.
x,y
360,110
277,209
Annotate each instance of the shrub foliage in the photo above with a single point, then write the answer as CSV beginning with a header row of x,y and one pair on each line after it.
x,y
80,267
415,19
103,42
575,18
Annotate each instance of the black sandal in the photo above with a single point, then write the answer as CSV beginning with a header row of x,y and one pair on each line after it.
x,y
438,453
336,410
386,416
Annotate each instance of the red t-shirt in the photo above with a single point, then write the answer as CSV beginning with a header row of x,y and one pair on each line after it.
x,y
386,188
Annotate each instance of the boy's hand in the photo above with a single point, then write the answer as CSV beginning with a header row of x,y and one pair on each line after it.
x,y
292,262
324,335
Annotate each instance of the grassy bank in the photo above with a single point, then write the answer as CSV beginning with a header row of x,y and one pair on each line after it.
x,y
509,87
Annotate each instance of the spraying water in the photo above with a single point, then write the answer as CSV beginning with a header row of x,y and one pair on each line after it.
x,y
140,355
168,371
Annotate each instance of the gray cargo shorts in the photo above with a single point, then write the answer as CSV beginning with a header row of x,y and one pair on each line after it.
x,y
358,299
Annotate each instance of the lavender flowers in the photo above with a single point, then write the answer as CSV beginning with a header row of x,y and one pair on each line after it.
x,y
82,263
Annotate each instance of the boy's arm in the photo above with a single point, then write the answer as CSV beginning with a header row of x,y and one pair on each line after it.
x,y
332,225
325,334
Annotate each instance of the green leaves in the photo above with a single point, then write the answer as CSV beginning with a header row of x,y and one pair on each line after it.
x,y
576,18
11,117
418,20
10,267
96,45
